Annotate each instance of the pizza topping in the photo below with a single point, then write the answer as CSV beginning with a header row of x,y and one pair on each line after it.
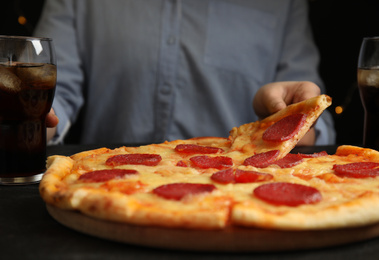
x,y
357,170
240,176
176,191
313,155
197,149
181,163
126,187
251,176
105,175
284,129
262,160
287,194
134,159
218,162
224,176
289,161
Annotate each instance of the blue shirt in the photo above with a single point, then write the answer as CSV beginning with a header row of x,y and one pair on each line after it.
x,y
152,70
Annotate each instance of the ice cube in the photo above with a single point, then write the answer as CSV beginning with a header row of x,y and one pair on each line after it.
x,y
373,78
9,81
38,75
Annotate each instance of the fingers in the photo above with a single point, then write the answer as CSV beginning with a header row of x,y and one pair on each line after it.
x,y
275,96
51,119
268,100
304,90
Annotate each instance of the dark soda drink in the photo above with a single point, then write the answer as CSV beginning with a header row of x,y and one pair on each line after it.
x,y
368,82
26,95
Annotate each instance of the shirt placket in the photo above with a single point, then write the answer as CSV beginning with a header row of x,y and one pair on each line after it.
x,y
167,67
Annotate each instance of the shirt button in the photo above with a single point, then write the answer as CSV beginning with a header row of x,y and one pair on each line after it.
x,y
166,89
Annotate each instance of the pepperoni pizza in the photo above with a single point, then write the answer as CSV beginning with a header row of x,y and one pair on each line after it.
x,y
249,179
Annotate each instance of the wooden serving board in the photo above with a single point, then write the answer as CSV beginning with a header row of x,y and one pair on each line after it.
x,y
233,239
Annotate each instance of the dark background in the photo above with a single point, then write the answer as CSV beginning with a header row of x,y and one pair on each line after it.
x,y
338,28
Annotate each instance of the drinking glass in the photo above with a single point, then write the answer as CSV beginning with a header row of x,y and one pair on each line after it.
x,y
27,84
368,83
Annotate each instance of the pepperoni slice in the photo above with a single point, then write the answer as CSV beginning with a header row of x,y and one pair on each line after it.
x,y
313,155
251,176
284,129
134,159
223,176
262,160
197,149
181,164
287,194
289,161
357,170
105,175
218,162
176,191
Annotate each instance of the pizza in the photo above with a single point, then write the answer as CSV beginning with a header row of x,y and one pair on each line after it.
x,y
250,180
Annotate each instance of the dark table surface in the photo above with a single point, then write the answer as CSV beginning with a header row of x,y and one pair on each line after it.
x,y
27,231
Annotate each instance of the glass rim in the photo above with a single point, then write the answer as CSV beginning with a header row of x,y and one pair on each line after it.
x,y
22,38
371,38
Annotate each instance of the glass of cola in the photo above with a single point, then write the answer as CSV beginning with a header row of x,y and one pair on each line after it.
x,y
368,83
27,83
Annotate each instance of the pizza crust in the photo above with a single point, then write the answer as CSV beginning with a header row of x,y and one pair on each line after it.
x,y
52,189
208,212
350,150
354,213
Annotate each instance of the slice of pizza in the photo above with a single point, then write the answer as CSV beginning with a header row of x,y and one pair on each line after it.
x,y
279,133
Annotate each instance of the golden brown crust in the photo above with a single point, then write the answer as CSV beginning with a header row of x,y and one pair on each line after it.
x,y
354,213
51,188
208,213
84,154
349,150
